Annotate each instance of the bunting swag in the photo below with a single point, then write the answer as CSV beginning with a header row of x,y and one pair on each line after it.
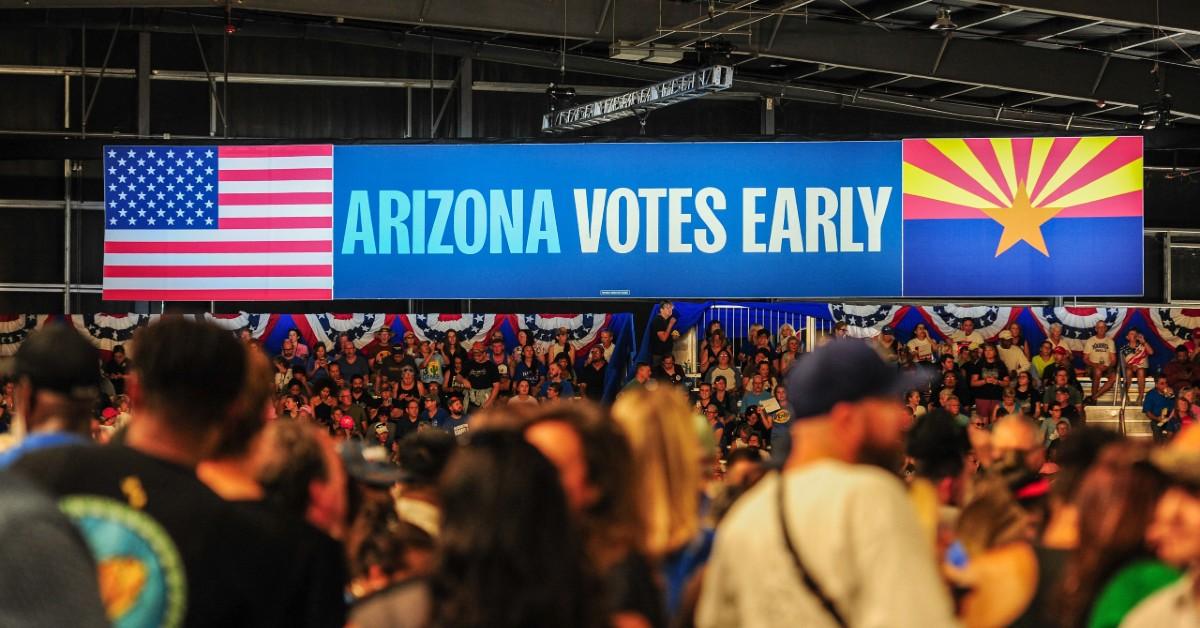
x,y
471,328
106,331
989,320
865,321
1079,323
325,328
14,329
583,330
260,325
1165,327
1173,325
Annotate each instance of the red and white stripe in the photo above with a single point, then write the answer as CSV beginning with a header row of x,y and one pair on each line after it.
x,y
274,239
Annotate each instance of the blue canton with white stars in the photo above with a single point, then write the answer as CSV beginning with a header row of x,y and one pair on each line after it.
x,y
160,187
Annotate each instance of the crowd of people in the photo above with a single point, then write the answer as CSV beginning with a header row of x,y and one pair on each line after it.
x,y
198,480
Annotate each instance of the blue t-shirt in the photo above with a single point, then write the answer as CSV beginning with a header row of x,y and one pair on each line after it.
x,y
458,428
755,399
530,374
567,389
1156,402
678,567
350,370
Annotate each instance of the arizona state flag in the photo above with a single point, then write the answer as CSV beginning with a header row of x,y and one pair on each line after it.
x,y
1062,214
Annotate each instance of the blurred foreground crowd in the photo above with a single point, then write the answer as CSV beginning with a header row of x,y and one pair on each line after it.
x,y
220,498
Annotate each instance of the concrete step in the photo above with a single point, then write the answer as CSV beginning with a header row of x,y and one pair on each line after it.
x,y
1109,417
1112,395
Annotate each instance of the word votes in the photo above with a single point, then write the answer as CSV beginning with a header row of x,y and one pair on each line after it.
x,y
779,220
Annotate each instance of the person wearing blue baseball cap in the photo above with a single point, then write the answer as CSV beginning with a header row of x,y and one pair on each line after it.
x,y
835,529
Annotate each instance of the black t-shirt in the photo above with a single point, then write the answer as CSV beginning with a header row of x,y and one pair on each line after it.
x,y
393,367
675,379
458,351
983,369
364,399
323,413
767,351
193,556
112,367
481,374
632,587
404,427
657,346
315,566
594,378
413,391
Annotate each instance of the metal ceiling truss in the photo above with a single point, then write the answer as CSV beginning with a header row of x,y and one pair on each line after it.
x,y
1175,15
967,63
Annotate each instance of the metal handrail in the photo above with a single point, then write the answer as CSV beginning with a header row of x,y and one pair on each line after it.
x,y
1124,384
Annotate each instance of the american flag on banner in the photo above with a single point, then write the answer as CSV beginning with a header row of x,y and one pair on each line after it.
x,y
218,223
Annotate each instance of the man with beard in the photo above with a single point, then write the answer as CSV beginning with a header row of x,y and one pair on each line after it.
x,y
837,532
592,375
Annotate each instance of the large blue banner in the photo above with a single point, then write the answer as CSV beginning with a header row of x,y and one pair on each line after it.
x,y
917,218
630,220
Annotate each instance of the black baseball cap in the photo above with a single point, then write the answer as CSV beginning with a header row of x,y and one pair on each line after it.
x,y
845,371
58,358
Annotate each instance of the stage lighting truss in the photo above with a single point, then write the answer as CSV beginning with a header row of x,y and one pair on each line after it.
x,y
641,101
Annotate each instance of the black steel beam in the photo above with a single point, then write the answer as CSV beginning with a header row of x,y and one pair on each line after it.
x,y
466,99
143,84
1177,15
891,8
1003,65
991,63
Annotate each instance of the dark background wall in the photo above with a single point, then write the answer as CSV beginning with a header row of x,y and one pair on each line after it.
x,y
34,140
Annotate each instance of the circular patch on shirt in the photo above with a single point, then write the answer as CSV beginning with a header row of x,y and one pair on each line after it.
x,y
782,416
142,582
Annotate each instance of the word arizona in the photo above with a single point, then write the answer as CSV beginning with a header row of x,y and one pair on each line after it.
x,y
450,221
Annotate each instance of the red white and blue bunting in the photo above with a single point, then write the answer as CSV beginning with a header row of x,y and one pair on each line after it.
x,y
258,324
14,329
1079,323
865,321
325,328
990,320
1174,325
471,328
583,329
106,331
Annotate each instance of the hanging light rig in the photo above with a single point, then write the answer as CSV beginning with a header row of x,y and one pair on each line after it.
x,y
640,101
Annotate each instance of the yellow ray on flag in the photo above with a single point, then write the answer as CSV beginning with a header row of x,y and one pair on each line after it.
x,y
1037,160
1003,148
957,151
920,183
1083,152
1127,178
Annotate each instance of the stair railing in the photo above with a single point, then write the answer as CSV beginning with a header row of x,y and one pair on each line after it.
x,y
1123,385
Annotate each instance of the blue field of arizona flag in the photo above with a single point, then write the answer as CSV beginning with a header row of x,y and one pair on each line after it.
x,y
1023,217
228,223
